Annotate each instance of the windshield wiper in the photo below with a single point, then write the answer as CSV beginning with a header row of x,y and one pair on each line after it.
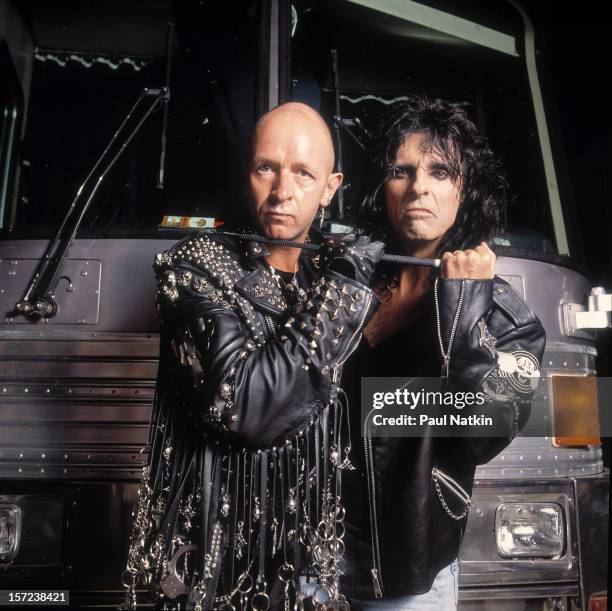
x,y
37,301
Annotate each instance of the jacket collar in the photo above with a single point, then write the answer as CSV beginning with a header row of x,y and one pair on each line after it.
x,y
260,286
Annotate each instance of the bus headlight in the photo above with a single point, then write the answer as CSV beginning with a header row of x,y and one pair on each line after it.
x,y
529,530
10,531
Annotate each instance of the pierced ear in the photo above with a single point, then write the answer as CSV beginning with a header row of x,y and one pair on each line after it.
x,y
333,184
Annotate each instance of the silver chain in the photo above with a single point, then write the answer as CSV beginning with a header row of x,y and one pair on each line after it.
x,y
446,356
455,516
446,368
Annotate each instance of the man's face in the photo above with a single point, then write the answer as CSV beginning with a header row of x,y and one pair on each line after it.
x,y
289,175
422,195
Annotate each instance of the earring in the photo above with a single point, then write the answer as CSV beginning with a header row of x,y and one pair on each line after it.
x,y
322,217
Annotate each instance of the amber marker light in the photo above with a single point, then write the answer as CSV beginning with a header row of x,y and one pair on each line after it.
x,y
575,410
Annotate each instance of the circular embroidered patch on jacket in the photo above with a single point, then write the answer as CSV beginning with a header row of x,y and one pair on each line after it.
x,y
520,369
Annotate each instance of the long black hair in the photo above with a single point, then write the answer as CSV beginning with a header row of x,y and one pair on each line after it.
x,y
451,135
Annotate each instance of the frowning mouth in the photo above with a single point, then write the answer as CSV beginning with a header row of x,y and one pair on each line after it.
x,y
418,212
278,215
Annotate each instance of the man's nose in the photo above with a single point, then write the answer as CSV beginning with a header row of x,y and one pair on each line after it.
x,y
420,182
282,188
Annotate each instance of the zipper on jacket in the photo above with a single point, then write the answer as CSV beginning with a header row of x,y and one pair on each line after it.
x,y
351,348
375,571
271,325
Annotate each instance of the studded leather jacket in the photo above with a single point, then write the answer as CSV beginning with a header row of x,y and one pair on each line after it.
x,y
242,485
417,490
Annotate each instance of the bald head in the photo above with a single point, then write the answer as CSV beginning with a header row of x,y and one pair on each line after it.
x,y
291,170
296,117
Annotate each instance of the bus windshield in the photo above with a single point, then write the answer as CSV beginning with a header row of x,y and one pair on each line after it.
x,y
387,50
88,68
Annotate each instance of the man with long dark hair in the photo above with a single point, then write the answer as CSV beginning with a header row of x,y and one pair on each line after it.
x,y
438,191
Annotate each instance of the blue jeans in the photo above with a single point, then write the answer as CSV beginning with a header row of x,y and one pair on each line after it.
x,y
442,596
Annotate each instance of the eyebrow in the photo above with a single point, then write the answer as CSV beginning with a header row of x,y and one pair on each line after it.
x,y
440,165
409,168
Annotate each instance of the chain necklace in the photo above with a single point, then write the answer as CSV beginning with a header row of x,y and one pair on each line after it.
x,y
292,292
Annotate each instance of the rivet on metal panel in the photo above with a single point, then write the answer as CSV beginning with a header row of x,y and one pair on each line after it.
x,y
43,456
83,272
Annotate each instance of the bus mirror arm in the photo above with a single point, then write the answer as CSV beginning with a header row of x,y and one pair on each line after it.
x,y
38,301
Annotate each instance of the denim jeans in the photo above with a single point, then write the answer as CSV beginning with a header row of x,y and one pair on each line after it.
x,y
442,596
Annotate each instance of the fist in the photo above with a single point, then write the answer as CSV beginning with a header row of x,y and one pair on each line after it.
x,y
477,263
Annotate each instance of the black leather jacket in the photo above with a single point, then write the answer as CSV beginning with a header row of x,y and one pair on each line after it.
x,y
420,487
247,424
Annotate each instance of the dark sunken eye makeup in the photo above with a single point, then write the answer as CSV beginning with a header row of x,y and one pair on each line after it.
x,y
400,170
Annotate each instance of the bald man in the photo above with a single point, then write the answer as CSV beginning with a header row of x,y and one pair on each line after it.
x,y
290,176
248,438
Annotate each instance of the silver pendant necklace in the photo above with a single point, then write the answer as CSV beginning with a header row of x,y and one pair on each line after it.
x,y
294,295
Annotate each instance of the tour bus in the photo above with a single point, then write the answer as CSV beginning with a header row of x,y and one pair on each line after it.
x,y
175,88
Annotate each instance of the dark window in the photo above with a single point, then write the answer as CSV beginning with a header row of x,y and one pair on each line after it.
x,y
11,115
89,68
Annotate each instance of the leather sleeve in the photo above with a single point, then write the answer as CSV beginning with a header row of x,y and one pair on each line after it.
x,y
254,385
497,349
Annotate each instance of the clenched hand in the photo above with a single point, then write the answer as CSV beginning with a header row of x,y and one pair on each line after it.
x,y
477,263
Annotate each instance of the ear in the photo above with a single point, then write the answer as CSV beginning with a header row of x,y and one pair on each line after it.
x,y
333,183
